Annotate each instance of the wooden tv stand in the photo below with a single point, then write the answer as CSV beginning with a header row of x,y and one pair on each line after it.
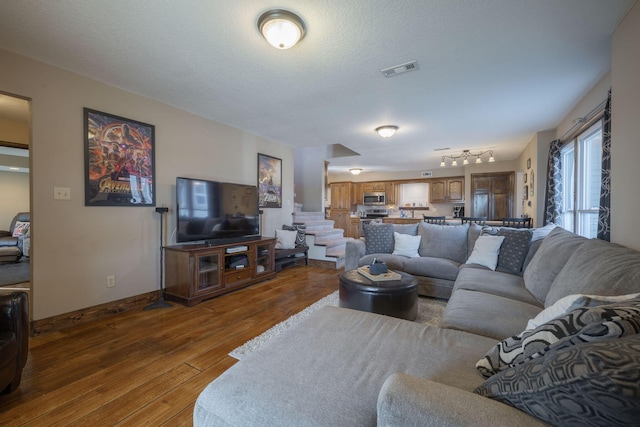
x,y
194,273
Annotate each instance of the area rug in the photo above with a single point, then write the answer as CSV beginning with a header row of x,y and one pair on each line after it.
x,y
429,313
14,272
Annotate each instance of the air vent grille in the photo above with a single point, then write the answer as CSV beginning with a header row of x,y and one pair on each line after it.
x,y
400,69
427,174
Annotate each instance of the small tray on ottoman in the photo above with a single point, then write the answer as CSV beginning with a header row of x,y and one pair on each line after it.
x,y
389,275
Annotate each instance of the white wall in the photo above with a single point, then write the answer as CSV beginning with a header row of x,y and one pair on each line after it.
x,y
625,134
74,248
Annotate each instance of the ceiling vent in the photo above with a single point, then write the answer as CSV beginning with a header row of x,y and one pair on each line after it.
x,y
427,174
399,69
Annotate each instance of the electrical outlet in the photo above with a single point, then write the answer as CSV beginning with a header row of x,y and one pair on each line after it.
x,y
111,281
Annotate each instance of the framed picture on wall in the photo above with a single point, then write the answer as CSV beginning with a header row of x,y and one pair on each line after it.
x,y
119,161
269,181
531,184
529,163
526,193
524,177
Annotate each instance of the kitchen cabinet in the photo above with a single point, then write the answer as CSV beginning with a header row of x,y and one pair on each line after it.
x,y
492,195
357,193
447,190
402,220
371,187
341,196
391,190
354,228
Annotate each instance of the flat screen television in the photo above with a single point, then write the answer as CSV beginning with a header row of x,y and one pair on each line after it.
x,y
216,212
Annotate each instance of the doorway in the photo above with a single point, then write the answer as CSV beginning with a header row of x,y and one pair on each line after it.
x,y
15,192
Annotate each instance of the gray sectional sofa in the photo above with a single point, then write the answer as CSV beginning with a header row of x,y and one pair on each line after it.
x,y
552,355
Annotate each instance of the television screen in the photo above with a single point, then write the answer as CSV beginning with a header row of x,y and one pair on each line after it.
x,y
220,212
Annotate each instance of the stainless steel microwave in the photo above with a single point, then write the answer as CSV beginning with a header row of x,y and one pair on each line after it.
x,y
377,198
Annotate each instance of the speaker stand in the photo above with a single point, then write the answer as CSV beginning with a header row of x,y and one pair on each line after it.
x,y
160,303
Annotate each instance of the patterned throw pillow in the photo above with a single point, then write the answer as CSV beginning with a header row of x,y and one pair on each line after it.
x,y
378,238
584,324
20,228
301,237
587,384
514,248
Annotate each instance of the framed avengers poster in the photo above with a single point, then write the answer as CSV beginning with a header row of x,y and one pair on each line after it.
x,y
119,161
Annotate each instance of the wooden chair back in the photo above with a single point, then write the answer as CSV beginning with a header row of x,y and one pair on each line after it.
x,y
516,222
480,220
441,220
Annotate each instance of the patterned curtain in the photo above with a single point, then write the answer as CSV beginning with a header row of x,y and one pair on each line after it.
x,y
604,214
553,203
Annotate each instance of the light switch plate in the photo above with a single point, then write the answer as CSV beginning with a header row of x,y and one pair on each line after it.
x,y
62,193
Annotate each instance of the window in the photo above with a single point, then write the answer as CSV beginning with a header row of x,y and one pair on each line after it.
x,y
581,175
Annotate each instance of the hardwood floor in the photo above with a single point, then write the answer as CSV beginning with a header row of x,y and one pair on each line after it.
x,y
148,367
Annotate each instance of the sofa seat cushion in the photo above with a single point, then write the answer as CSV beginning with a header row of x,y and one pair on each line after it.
x,y
329,369
485,314
495,283
597,268
439,268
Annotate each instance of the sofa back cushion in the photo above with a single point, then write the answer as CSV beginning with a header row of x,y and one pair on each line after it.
x,y
410,229
443,241
514,248
378,238
550,258
472,235
598,268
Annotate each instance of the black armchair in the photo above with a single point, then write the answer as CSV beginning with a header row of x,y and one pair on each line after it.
x,y
14,339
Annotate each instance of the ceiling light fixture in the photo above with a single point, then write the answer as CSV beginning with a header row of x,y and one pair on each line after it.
x,y
465,158
387,131
281,28
355,171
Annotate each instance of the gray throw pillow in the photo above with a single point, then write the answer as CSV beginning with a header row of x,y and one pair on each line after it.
x,y
410,229
553,254
378,238
443,241
472,235
514,248
597,268
586,384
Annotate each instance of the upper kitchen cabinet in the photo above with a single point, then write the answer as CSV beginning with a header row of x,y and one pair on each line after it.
x,y
341,195
391,190
372,187
447,190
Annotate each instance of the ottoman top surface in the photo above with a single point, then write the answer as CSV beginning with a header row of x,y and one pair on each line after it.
x,y
354,280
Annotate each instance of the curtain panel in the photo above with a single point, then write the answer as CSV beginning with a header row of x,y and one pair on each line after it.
x,y
604,211
553,202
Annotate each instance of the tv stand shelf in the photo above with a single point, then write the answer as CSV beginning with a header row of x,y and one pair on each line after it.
x,y
197,272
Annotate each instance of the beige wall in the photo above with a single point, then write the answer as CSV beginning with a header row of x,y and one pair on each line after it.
x,y
625,134
74,248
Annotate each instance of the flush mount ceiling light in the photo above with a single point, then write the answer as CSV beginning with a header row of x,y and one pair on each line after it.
x,y
281,28
386,131
465,158
355,171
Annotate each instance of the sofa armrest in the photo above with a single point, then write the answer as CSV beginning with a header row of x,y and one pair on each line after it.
x,y
5,233
405,400
354,250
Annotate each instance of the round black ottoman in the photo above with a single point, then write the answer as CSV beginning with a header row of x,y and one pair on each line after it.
x,y
397,298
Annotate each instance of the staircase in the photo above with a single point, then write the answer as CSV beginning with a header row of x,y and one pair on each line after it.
x,y
326,243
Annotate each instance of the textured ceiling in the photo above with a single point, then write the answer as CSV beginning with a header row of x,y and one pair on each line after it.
x,y
491,72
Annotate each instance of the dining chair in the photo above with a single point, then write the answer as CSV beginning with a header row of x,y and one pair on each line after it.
x,y
480,220
516,222
435,219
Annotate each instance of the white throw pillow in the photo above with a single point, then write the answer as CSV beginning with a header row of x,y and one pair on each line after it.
x,y
486,251
542,232
571,302
286,239
406,245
